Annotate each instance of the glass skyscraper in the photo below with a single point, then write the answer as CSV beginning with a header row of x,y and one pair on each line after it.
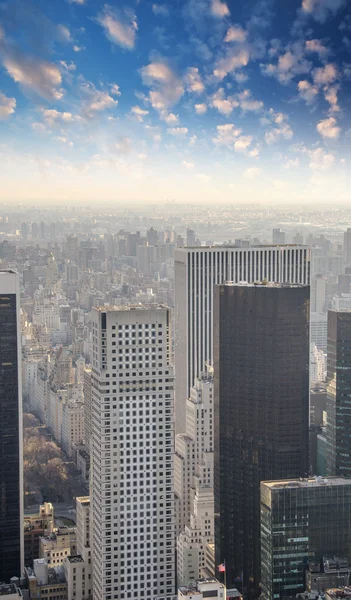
x,y
11,462
261,408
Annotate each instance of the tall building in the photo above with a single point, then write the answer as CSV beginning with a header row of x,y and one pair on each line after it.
x,y
132,438
11,444
338,390
261,409
197,271
347,247
278,236
302,521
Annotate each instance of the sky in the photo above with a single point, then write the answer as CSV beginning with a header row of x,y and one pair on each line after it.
x,y
187,101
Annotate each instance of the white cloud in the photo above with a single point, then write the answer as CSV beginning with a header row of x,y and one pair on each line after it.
x,y
120,26
289,64
320,160
160,10
328,128
280,130
188,165
252,173
219,9
124,145
224,105
170,118
39,127
292,163
307,91
193,81
178,131
52,116
235,58
203,177
115,90
7,106
320,10
64,34
200,109
139,113
325,75
69,66
96,101
166,87
235,34
247,103
76,1
242,143
331,96
226,135
317,47
65,141
42,77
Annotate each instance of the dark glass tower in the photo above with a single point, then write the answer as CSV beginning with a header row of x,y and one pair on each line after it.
x,y
11,463
261,387
339,393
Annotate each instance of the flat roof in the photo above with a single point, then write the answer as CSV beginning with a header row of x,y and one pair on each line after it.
x,y
307,483
234,247
132,307
75,559
263,284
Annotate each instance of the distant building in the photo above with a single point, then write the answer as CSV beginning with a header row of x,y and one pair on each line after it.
x,y
338,390
35,527
278,236
202,589
45,582
261,409
319,330
302,521
55,547
78,569
347,247
11,436
10,591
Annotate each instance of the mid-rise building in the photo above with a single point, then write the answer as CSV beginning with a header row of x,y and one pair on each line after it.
x,y
303,521
338,393
261,409
11,436
202,588
35,527
132,492
278,236
197,271
319,330
347,247
78,569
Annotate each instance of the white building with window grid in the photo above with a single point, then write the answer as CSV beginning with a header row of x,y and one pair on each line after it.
x,y
197,271
132,501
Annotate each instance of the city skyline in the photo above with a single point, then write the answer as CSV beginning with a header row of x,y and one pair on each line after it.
x,y
156,101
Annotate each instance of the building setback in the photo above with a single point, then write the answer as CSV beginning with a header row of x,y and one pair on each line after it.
x,y
197,271
11,436
302,522
261,409
132,443
339,393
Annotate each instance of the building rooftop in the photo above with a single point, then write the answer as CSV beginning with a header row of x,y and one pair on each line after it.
x,y
84,500
307,483
337,593
75,559
8,588
116,308
234,247
264,284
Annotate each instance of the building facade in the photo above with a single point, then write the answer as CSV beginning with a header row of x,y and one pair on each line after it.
x,y
338,393
11,435
197,271
302,522
132,496
261,409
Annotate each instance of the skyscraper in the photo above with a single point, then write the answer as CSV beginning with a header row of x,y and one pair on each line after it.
x,y
261,393
302,521
132,498
11,444
197,271
338,393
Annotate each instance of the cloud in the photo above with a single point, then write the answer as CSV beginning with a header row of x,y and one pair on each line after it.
x,y
68,66
224,105
235,58
42,77
292,163
120,26
317,47
320,10
242,143
219,9
226,135
170,118
39,127
331,96
328,128
188,165
307,91
200,109
289,64
320,160
247,103
64,34
124,145
280,130
65,141
252,173
203,177
96,101
139,113
166,87
235,34
7,106
193,81
52,117
160,10
76,1
325,75
177,131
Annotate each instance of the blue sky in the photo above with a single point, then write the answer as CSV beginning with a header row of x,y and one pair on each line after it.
x,y
189,100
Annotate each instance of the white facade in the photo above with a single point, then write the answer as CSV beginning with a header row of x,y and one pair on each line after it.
x,y
78,569
194,489
72,425
132,496
197,270
201,589
342,302
318,365
319,330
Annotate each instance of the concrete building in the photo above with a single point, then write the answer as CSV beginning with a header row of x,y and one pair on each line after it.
x,y
338,393
302,521
318,293
35,527
319,330
72,425
201,589
10,591
78,569
347,247
197,271
318,364
87,406
45,582
278,236
55,547
261,413
11,434
132,493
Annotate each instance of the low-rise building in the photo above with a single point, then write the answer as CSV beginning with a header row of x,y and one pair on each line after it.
x,y
211,589
46,583
9,591
36,526
55,547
